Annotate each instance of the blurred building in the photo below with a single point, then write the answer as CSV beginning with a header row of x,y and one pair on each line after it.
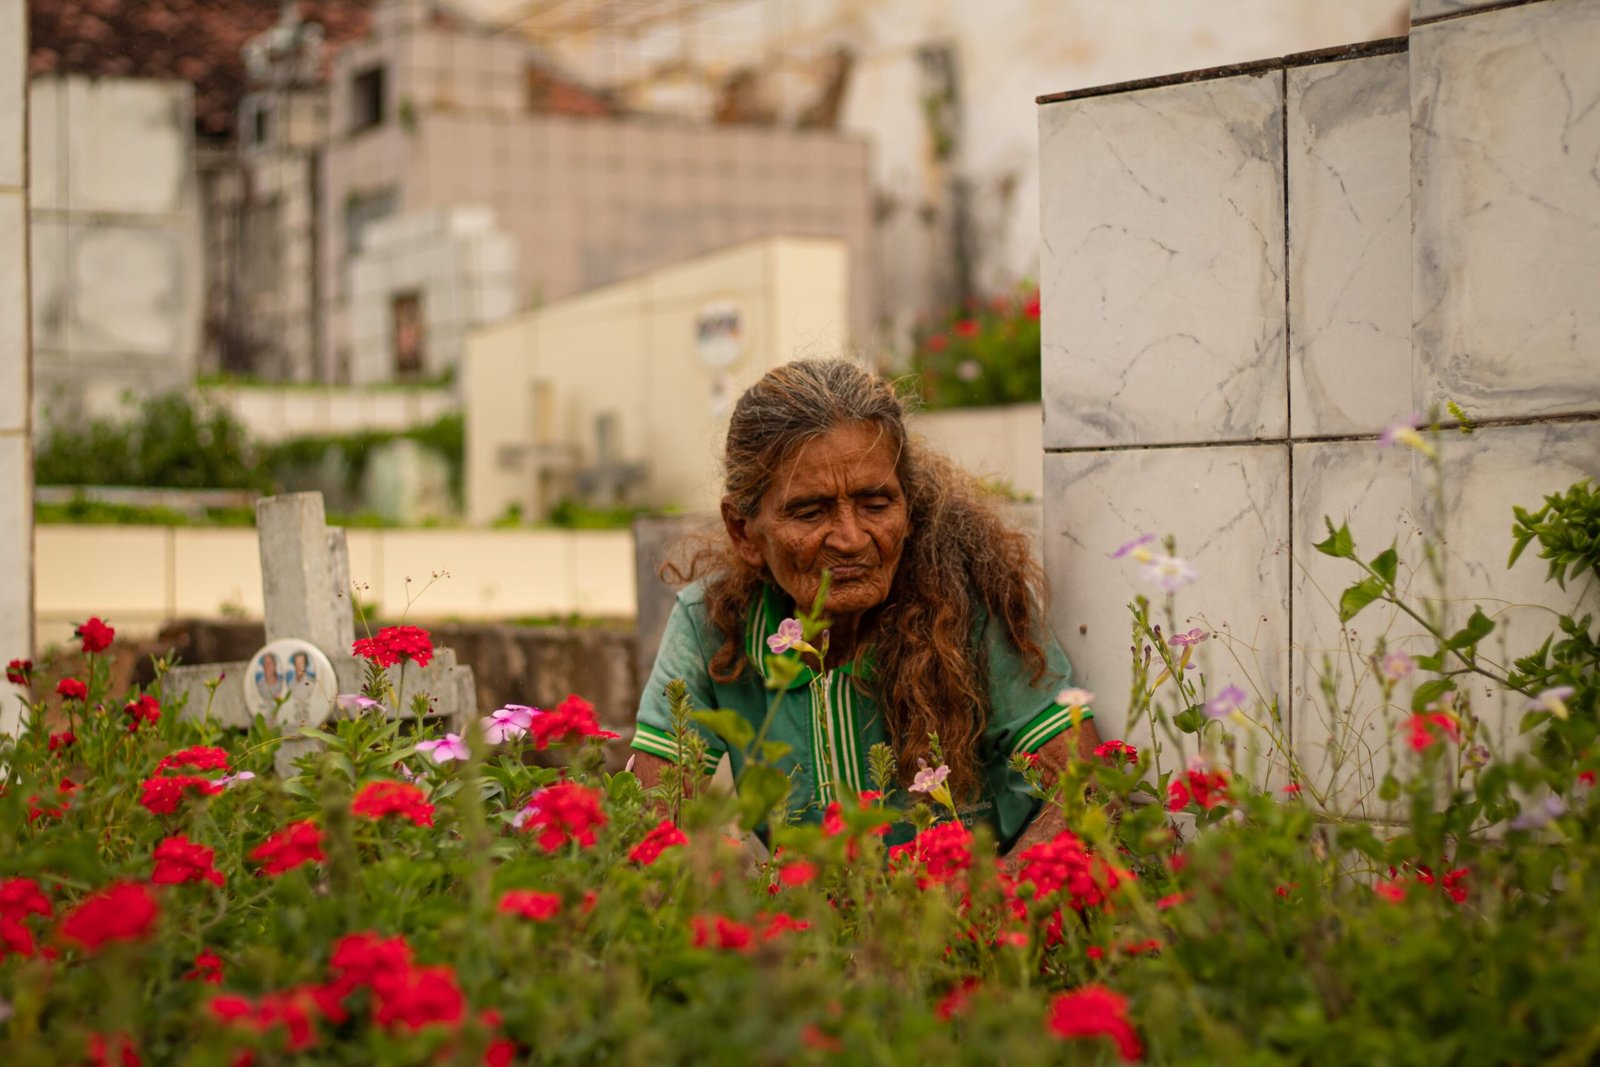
x,y
466,178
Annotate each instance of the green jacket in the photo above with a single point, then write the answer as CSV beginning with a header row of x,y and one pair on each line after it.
x,y
830,728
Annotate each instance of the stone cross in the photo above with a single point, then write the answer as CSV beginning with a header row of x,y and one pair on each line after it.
x,y
305,583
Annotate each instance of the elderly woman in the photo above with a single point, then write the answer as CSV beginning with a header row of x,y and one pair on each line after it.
x,y
935,608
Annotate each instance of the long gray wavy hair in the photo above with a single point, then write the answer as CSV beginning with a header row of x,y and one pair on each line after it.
x,y
928,675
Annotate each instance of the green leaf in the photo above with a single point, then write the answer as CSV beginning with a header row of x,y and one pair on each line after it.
x,y
1339,543
1430,691
773,751
1360,838
1389,791
1190,719
1477,628
319,735
730,726
761,789
1385,564
1357,597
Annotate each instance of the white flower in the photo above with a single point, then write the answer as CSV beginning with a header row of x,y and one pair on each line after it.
x,y
1074,698
1171,573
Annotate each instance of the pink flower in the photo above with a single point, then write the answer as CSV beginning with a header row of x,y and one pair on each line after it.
x,y
929,778
1193,637
447,748
1225,703
1132,548
790,635
357,703
1075,698
1171,573
508,723
1397,665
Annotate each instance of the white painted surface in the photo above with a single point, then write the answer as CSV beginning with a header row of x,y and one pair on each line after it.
x,y
277,414
16,456
138,577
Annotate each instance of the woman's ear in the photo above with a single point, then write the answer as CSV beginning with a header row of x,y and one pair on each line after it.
x,y
739,533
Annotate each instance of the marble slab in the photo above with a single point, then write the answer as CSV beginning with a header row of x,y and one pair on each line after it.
x,y
16,545
1162,264
1422,10
14,312
1505,129
13,85
1388,495
1349,162
1344,732
1228,508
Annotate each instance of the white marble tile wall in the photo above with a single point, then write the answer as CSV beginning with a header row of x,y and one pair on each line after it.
x,y
1422,10
1505,120
1229,510
16,457
1348,162
1442,242
1163,255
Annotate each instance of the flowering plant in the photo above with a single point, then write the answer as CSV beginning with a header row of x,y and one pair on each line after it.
x,y
381,907
982,354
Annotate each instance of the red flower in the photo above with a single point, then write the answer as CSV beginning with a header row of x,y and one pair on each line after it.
x,y
938,343
572,720
1206,788
773,926
665,835
72,689
124,911
1062,864
721,932
377,799
1171,900
1393,892
365,959
816,1037
967,329
798,873
146,709
1031,307
64,740
19,671
99,1051
531,904
96,635
942,850
564,812
1424,729
163,795
200,757
420,997
1114,752
179,860
207,968
287,1009
1586,777
287,849
19,898
954,1002
392,644
1095,1011
40,809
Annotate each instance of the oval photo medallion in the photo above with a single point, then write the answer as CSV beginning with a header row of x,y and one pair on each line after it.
x,y
291,682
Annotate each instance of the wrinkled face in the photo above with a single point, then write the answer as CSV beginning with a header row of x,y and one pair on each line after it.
x,y
835,505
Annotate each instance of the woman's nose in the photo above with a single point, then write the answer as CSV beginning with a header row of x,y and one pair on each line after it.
x,y
847,534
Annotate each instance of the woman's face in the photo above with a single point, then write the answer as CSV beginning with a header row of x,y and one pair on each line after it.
x,y
835,505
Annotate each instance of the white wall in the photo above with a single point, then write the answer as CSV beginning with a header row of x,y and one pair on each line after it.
x,y
630,349
16,453
139,577
276,414
1218,362
1001,444
116,240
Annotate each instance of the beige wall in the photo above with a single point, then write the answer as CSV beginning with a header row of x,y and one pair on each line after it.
x,y
630,350
1002,444
138,577
16,452
279,414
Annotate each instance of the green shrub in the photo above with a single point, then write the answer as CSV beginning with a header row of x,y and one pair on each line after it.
x,y
173,442
983,355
